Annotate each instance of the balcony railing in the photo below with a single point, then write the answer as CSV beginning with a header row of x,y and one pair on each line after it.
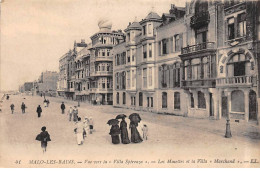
x,y
198,47
236,81
100,90
107,58
200,19
102,73
199,83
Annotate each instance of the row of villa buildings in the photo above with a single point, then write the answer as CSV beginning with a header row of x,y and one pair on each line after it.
x,y
46,85
196,61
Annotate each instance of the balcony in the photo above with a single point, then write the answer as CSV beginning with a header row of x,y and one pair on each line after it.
x,y
237,81
103,59
101,90
101,73
199,20
205,83
198,47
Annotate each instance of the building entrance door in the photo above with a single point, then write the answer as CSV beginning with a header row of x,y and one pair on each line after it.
x,y
103,99
224,106
252,106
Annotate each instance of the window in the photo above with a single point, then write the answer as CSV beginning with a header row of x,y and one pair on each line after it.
x,y
164,44
128,79
124,98
133,55
176,75
117,80
177,100
118,59
201,100
123,55
144,77
148,104
109,80
237,101
133,78
164,100
195,68
150,76
149,28
150,49
177,42
160,48
171,44
103,53
140,99
144,30
133,100
117,98
123,80
231,28
151,101
128,56
191,100
241,19
108,52
144,51
164,75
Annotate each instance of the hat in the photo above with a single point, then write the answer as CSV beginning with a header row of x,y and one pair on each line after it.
x,y
43,128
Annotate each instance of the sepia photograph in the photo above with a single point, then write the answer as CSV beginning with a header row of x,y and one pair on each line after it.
x,y
129,83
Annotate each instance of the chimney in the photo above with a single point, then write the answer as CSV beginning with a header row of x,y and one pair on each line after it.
x,y
173,9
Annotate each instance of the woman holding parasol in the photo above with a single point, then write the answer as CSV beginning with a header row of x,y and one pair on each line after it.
x,y
114,131
135,136
123,128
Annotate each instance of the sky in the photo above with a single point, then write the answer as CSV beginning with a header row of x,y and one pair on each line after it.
x,y
36,33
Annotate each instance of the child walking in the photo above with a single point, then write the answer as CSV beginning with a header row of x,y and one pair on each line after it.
x,y
145,131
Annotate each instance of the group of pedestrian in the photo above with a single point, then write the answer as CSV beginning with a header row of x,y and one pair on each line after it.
x,y
115,130
83,129
73,113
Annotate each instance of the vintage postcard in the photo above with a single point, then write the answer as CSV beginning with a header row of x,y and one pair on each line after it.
x,y
130,84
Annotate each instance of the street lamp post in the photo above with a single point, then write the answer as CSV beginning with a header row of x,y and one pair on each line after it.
x,y
228,130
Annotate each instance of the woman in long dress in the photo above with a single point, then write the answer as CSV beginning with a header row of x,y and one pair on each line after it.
x,y
44,137
135,136
114,132
79,129
124,132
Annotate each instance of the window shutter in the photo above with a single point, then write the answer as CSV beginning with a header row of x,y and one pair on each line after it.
x,y
174,77
226,30
181,41
171,77
236,27
160,50
160,75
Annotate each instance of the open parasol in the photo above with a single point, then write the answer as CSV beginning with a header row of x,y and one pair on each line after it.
x,y
120,116
135,117
112,122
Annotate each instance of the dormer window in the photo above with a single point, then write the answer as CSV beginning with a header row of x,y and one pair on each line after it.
x,y
149,28
144,30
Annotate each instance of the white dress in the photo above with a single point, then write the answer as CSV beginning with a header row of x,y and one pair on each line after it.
x,y
80,128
